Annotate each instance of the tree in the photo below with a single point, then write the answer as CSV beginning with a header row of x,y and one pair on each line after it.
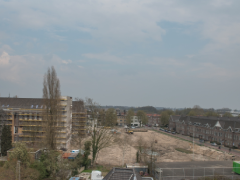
x,y
141,148
101,117
49,158
150,153
129,116
100,137
164,118
51,114
142,117
227,114
212,113
111,117
146,109
192,113
196,111
87,149
6,140
183,112
165,115
93,110
20,152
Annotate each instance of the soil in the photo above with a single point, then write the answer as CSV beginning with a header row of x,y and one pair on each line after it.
x,y
163,144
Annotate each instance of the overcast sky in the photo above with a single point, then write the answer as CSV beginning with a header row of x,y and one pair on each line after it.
x,y
165,53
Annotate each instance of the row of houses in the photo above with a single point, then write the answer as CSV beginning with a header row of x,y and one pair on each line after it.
x,y
222,130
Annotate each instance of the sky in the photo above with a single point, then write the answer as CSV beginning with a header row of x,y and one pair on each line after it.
x,y
174,53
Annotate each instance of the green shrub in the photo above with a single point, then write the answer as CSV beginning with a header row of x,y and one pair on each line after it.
x,y
2,163
38,165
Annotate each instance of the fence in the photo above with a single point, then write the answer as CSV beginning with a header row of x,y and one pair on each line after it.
x,y
210,173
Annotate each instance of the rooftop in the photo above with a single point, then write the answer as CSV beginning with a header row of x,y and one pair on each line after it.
x,y
122,174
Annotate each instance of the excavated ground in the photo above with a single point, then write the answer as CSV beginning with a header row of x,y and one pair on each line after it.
x,y
163,144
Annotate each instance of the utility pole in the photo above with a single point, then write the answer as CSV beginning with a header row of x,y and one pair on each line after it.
x,y
193,141
18,175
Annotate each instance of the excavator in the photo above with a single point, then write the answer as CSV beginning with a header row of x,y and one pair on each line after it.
x,y
128,131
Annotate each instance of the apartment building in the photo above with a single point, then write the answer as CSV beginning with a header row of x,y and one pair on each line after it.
x,y
154,119
25,116
222,130
79,116
135,121
121,119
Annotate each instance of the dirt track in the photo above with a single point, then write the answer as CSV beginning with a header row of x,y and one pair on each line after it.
x,y
165,146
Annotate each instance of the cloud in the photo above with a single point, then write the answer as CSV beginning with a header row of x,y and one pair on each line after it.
x,y
26,68
67,61
165,61
5,48
4,59
110,22
105,57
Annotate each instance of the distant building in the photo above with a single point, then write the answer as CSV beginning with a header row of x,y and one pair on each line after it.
x,y
218,129
121,119
154,119
135,121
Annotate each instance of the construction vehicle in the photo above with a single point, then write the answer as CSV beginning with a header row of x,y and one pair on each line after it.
x,y
128,131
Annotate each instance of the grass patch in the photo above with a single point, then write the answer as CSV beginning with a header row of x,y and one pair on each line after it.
x,y
184,150
171,135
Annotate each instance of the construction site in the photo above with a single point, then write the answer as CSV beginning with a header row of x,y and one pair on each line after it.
x,y
163,147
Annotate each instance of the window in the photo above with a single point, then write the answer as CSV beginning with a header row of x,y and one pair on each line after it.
x,y
16,129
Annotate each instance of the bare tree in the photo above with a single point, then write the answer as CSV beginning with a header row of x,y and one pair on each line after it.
x,y
111,117
130,114
124,146
142,117
100,137
150,153
101,117
93,109
141,148
51,114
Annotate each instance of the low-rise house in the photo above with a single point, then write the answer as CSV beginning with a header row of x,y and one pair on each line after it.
x,y
35,154
223,130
